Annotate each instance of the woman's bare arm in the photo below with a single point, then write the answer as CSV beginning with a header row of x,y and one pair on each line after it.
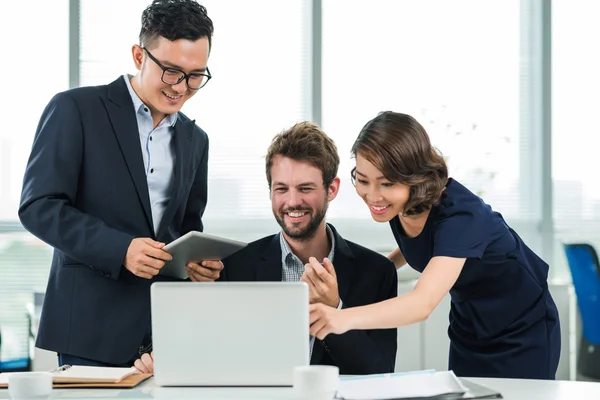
x,y
436,280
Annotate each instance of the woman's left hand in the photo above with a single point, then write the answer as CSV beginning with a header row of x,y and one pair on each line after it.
x,y
325,320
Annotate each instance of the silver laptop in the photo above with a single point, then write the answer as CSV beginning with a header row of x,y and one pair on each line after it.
x,y
229,333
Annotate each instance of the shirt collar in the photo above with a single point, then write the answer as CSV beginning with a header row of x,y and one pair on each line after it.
x,y
286,250
138,105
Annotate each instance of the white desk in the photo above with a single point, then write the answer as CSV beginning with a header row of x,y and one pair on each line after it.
x,y
511,389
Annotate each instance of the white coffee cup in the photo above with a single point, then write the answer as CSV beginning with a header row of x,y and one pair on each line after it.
x,y
29,385
316,382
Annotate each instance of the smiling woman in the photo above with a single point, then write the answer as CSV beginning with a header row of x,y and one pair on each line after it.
x,y
503,320
397,168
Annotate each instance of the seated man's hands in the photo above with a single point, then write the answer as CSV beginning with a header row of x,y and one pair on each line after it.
x,y
322,282
205,271
145,364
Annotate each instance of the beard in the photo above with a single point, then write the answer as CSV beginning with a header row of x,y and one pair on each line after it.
x,y
295,230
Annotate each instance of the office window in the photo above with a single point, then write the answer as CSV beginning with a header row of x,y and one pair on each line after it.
x,y
456,66
259,62
34,68
457,74
576,84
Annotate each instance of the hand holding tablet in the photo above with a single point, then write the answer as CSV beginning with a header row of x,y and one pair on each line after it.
x,y
205,271
196,247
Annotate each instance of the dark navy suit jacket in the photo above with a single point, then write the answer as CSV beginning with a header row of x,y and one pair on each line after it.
x,y
85,193
364,277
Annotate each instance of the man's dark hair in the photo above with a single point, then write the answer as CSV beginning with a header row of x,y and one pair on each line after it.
x,y
305,142
173,20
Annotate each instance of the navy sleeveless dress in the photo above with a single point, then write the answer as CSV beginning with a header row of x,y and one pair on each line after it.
x,y
503,321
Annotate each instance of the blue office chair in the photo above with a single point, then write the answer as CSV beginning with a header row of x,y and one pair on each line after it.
x,y
16,365
585,270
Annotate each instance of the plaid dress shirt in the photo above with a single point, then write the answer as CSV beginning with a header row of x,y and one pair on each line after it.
x,y
293,267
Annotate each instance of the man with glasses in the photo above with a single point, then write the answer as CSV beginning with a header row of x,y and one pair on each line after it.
x,y
115,172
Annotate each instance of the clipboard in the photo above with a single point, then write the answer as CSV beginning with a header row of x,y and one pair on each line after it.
x,y
128,383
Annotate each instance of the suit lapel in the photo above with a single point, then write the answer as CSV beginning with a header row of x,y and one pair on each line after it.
x,y
183,150
343,262
124,123
269,270
269,267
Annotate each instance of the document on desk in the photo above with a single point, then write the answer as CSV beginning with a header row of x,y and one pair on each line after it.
x,y
426,385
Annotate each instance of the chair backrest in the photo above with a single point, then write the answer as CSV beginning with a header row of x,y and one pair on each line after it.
x,y
585,271
17,365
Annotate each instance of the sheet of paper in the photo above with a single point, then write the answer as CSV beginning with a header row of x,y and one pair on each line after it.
x,y
92,374
4,377
402,386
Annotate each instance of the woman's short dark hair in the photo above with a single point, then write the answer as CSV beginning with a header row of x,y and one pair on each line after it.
x,y
305,142
173,20
398,146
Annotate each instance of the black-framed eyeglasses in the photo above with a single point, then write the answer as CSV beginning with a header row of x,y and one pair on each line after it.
x,y
172,76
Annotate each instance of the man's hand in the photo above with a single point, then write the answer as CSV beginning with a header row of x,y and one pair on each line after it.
x,y
145,364
322,282
206,271
145,257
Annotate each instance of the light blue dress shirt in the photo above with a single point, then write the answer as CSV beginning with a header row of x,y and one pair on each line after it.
x,y
158,153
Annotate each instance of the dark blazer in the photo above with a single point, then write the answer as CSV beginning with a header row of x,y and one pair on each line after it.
x,y
85,193
364,277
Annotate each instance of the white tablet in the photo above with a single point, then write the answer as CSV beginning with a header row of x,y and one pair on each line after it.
x,y
197,246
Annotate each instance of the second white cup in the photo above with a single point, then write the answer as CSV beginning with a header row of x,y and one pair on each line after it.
x,y
316,382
